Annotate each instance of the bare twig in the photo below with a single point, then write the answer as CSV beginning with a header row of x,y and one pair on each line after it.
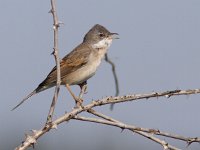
x,y
109,100
92,111
107,59
123,126
189,140
57,60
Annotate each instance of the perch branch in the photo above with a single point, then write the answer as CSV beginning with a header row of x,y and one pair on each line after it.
x,y
31,139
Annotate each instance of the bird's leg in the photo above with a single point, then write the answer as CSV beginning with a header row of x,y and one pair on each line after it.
x,y
83,87
77,100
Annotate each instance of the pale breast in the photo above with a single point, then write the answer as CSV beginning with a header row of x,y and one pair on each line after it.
x,y
88,70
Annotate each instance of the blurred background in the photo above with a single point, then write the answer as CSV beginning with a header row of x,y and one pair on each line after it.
x,y
158,50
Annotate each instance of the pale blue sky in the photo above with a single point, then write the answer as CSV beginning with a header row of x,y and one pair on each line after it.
x,y
158,50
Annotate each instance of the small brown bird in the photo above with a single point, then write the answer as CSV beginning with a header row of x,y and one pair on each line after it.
x,y
81,63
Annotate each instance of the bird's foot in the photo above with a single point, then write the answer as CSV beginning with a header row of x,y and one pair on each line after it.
x,y
79,103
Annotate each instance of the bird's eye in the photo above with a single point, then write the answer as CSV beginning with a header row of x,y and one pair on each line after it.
x,y
101,35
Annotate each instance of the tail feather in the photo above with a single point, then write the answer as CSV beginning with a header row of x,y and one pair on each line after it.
x,y
40,88
28,96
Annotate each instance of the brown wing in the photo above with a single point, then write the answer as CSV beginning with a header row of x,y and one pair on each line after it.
x,y
70,63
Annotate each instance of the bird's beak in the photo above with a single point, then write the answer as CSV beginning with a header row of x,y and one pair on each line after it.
x,y
114,35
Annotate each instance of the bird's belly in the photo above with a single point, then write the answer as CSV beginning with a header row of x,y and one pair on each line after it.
x,y
82,74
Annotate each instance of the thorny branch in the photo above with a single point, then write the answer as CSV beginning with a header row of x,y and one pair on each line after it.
x,y
129,127
57,60
31,139
123,126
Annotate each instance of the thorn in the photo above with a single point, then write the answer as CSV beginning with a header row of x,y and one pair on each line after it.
x,y
177,91
54,126
165,147
31,139
167,96
34,131
50,11
122,129
155,94
190,141
33,145
61,23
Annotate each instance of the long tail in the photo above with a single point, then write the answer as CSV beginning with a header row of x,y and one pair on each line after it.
x,y
28,96
41,87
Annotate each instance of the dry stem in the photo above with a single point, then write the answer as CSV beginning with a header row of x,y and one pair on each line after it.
x,y
31,139
57,60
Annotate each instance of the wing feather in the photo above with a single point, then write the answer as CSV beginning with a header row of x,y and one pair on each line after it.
x,y
70,63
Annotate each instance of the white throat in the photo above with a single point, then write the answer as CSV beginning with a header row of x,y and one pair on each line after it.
x,y
105,43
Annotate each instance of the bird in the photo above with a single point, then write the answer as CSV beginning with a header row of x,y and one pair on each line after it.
x,y
80,64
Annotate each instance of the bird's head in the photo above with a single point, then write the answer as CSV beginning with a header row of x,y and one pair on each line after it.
x,y
99,37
